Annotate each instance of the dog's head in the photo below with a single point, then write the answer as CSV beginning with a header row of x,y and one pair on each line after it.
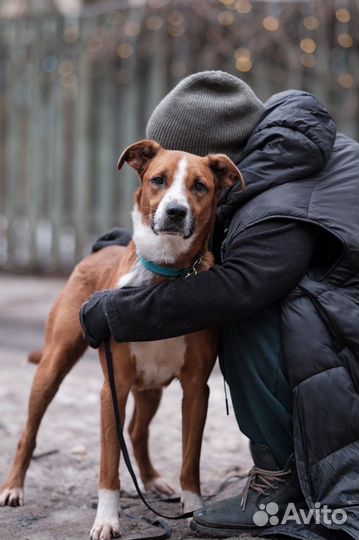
x,y
178,190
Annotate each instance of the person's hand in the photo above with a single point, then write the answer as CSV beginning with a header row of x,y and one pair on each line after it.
x,y
94,320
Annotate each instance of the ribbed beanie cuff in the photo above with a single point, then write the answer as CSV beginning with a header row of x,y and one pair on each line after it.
x,y
207,112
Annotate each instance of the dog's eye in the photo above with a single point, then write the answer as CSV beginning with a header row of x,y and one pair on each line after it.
x,y
199,187
158,180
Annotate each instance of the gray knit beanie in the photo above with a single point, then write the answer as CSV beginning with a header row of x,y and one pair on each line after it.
x,y
207,112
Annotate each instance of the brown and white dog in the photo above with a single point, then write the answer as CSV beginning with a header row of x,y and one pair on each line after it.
x,y
172,219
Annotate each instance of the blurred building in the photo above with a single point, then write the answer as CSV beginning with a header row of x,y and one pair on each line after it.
x,y
78,81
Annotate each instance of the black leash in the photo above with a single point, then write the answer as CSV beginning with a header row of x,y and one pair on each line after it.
x,y
121,438
160,535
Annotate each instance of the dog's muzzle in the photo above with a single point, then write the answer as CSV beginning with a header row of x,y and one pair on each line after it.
x,y
176,219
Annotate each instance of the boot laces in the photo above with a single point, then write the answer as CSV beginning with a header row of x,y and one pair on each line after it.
x,y
262,481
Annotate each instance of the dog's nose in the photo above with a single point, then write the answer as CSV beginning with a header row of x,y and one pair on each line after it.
x,y
177,212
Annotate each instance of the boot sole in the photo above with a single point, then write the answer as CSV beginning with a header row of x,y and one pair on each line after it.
x,y
213,532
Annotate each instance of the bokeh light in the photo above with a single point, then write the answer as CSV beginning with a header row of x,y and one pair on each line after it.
x,y
346,80
154,23
345,40
243,6
226,18
307,60
308,45
125,50
311,22
96,43
271,23
132,28
71,34
242,51
243,60
343,15
66,68
176,18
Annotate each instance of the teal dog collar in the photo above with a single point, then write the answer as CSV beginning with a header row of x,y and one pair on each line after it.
x,y
170,272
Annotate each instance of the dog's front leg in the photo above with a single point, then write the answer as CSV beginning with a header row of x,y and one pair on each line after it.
x,y
194,412
107,523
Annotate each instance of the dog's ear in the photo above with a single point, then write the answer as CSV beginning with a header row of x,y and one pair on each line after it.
x,y
225,171
139,154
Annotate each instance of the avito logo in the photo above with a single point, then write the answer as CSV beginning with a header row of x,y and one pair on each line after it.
x,y
267,515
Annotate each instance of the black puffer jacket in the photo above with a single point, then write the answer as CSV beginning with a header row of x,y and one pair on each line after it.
x,y
320,315
297,168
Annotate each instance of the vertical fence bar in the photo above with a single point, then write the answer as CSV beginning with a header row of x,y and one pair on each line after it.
x,y
157,76
56,188
105,147
82,143
13,126
130,134
34,150
131,95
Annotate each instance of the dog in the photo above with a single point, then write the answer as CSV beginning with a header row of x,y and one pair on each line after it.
x,y
172,220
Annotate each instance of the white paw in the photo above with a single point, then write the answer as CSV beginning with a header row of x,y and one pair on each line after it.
x,y
12,497
107,522
191,501
105,530
159,485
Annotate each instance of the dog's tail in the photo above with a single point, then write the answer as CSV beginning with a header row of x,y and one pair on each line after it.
x,y
35,356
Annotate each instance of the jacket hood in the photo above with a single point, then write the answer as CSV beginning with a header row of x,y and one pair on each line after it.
x,y
293,141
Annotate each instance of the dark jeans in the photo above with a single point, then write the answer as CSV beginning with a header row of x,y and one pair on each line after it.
x,y
252,363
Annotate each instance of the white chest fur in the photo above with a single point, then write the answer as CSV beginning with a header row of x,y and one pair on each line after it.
x,y
156,361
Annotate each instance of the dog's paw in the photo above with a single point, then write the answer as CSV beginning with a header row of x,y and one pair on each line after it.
x,y
107,523
159,485
191,501
105,529
11,496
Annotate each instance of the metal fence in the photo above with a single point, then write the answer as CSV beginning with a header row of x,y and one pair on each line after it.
x,y
76,90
